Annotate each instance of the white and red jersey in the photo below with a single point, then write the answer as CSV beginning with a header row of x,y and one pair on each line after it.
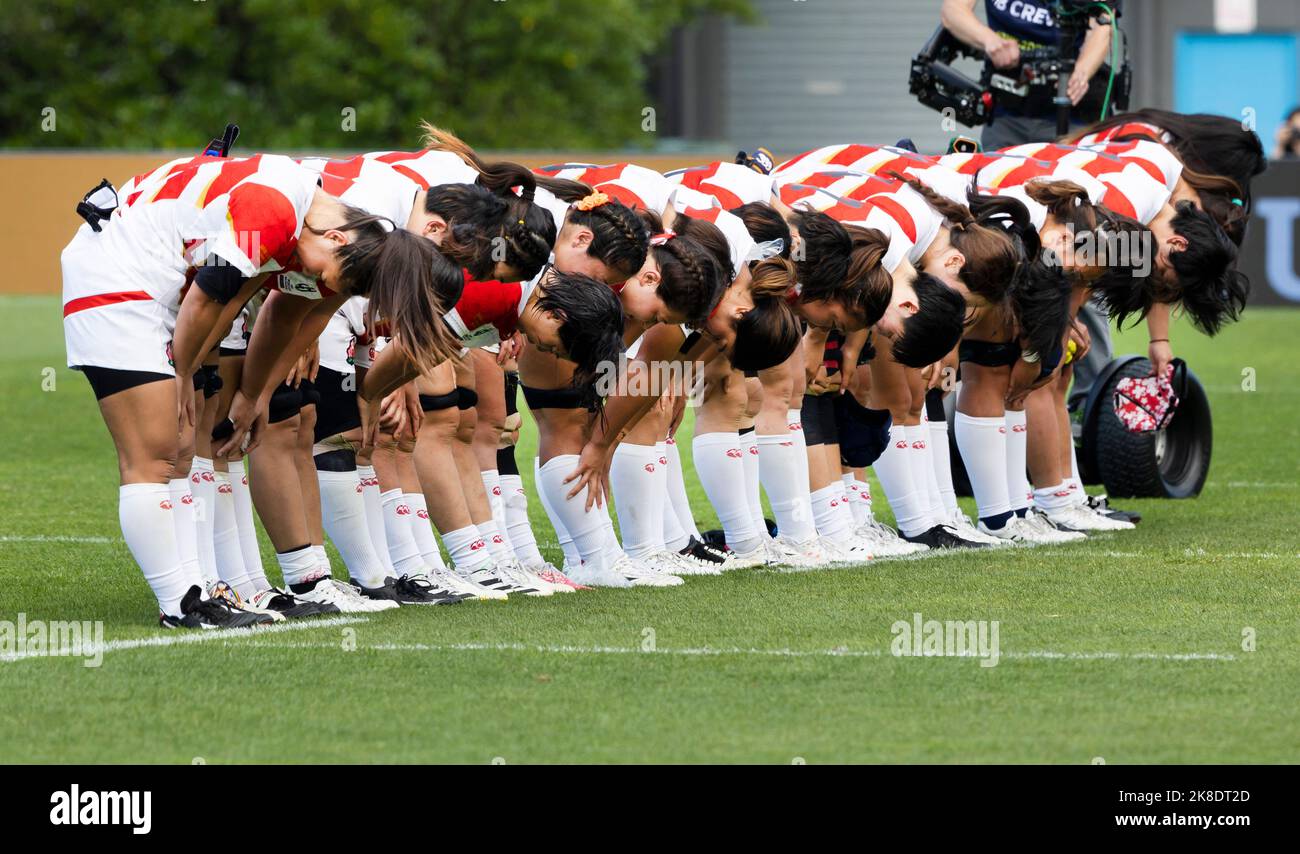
x,y
742,246
634,186
731,184
891,207
1127,129
1134,179
488,311
829,164
248,210
345,343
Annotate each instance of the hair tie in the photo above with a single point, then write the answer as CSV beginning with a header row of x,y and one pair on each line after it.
x,y
766,249
661,239
594,200
521,222
1237,202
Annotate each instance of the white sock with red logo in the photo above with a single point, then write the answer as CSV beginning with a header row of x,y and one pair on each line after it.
x,y
1053,497
497,545
720,463
753,486
1018,488
183,522
565,542
225,540
375,515
145,513
1078,494
828,511
514,504
781,468
983,446
492,486
468,550
403,550
674,535
918,436
859,498
343,510
248,545
634,478
588,530
301,566
894,469
203,486
422,530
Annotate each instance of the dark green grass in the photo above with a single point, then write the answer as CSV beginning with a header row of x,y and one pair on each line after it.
x,y
470,683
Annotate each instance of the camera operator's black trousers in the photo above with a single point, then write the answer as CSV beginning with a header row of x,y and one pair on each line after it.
x,y
1008,130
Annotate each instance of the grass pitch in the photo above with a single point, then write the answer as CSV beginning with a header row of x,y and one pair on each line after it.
x,y
1128,647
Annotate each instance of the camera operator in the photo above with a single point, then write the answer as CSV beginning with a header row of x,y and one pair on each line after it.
x,y
1287,141
1014,24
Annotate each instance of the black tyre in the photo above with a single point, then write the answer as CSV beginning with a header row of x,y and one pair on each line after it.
x,y
1170,463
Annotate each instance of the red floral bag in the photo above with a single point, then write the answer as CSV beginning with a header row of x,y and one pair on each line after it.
x,y
1144,404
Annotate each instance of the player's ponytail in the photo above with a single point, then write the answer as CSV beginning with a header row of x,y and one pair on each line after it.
x,y
768,333
410,284
981,232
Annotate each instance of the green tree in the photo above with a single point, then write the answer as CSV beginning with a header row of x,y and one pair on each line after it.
x,y
501,73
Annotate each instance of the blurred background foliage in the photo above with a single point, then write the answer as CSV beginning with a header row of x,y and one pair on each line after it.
x,y
523,74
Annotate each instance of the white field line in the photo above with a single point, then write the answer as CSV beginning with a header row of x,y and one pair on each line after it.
x,y
42,538
186,636
840,652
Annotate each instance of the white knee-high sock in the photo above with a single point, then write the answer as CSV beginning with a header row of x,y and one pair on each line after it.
x,y
343,510
497,545
1078,494
514,504
492,486
403,550
858,500
370,496
225,539
720,464
562,538
781,465
894,469
923,474
634,479
941,457
753,490
1053,497
674,536
983,446
469,551
827,504
203,486
422,530
302,566
588,530
677,496
145,513
187,544
248,544
794,421
1018,488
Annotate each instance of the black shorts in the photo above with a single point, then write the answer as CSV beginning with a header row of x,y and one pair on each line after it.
x,y
863,433
108,381
990,354
435,402
337,411
569,397
286,402
818,418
